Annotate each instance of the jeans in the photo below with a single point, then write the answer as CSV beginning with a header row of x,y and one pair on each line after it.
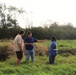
x,y
30,53
52,58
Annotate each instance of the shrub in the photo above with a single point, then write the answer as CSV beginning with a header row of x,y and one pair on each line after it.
x,y
6,49
3,53
41,49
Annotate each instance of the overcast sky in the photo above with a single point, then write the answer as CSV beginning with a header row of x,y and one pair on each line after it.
x,y
38,11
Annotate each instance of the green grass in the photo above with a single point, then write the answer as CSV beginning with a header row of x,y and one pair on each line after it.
x,y
62,44
63,66
65,47
65,63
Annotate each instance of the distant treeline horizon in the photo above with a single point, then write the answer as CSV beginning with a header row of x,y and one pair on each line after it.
x,y
60,32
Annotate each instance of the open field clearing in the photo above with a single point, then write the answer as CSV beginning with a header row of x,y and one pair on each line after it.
x,y
65,61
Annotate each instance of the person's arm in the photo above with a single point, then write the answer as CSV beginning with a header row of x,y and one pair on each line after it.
x,y
20,43
26,42
35,40
29,43
54,47
20,46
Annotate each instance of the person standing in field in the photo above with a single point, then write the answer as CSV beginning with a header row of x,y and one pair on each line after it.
x,y
18,46
53,50
29,45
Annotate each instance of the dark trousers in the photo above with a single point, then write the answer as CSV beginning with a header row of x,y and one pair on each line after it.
x,y
52,58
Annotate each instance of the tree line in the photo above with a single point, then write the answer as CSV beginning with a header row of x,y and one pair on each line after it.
x,y
9,26
59,31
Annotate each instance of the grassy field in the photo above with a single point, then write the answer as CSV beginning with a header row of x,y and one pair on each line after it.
x,y
63,66
62,44
65,63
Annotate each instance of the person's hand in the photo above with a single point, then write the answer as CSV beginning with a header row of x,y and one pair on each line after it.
x,y
21,50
